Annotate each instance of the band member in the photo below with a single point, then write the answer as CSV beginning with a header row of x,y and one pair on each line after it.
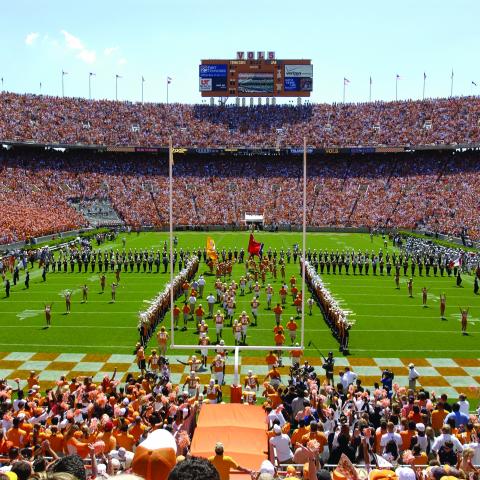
x,y
114,289
443,304
102,282
84,294
410,287
68,300
48,314
424,296
464,312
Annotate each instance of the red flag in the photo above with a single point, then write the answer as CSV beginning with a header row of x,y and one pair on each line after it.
x,y
254,248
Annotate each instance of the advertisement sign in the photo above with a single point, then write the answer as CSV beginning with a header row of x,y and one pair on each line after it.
x,y
255,82
205,84
299,71
301,84
298,78
214,70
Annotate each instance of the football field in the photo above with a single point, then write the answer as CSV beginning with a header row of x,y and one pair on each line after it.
x,y
386,322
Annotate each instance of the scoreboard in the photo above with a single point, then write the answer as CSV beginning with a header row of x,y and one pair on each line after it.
x,y
255,76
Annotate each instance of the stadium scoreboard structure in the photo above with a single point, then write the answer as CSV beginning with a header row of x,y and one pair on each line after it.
x,y
255,75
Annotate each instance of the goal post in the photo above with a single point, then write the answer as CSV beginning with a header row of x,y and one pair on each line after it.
x,y
257,218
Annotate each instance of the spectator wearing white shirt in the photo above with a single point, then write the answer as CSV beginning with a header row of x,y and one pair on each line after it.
x,y
413,375
211,304
349,377
391,435
446,436
282,444
464,404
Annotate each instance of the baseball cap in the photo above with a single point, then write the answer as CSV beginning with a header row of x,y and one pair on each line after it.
x,y
411,365
420,427
267,467
405,473
10,475
156,456
277,429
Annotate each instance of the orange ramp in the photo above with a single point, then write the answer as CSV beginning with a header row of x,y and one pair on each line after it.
x,y
241,428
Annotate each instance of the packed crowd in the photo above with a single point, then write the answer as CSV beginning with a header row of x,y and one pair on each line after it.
x,y
103,428
46,119
435,191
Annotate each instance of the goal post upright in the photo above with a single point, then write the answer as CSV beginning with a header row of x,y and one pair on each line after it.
x,y
304,240
170,208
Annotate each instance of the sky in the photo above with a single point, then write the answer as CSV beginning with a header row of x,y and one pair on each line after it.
x,y
351,39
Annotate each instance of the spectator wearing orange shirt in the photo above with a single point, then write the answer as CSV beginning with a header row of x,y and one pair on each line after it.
x,y
186,315
277,310
271,360
292,329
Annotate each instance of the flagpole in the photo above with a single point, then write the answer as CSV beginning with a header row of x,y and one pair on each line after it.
x,y
142,88
89,86
451,84
2,84
370,91
170,173
304,236
424,78
116,87
396,88
167,89
40,88
63,87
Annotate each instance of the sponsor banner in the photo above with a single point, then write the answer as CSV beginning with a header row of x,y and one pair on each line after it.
x,y
299,151
207,151
362,150
389,149
298,71
205,84
214,70
299,84
213,84
255,82
121,149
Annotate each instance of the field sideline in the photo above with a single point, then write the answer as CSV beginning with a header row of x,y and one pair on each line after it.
x,y
386,322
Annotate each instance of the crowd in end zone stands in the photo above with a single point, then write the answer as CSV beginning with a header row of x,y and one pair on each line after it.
x,y
46,119
437,191
313,417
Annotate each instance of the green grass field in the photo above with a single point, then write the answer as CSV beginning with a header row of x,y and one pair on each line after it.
x,y
387,322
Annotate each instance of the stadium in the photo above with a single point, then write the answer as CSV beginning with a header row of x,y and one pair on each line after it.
x,y
256,285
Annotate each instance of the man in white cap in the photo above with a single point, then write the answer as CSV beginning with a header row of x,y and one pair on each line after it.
x,y
201,286
413,375
211,304
282,444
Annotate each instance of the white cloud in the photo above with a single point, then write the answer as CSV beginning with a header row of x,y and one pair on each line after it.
x,y
74,43
88,56
31,38
108,51
122,61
